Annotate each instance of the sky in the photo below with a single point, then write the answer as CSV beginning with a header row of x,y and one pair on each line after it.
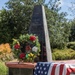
x,y
65,4
2,3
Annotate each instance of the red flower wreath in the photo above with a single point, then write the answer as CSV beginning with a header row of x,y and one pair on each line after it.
x,y
26,47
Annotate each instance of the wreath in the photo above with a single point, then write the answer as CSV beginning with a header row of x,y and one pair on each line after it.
x,y
26,47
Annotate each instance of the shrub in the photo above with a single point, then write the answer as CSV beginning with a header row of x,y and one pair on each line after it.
x,y
64,54
3,69
71,45
5,52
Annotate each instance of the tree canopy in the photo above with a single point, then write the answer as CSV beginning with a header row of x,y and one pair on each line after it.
x,y
17,18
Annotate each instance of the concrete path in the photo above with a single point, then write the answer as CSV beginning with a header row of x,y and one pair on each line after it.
x,y
66,61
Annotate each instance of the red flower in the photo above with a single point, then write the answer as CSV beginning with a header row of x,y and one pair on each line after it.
x,y
28,47
32,38
17,46
22,55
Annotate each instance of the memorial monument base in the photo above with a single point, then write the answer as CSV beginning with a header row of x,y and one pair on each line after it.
x,y
16,68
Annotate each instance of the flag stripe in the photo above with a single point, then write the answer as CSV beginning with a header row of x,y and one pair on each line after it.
x,y
50,69
57,69
70,70
53,69
61,69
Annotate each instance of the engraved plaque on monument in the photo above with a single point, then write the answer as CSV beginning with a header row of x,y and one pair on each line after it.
x,y
38,27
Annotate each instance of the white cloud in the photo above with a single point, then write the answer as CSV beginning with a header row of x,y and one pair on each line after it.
x,y
65,3
60,3
68,3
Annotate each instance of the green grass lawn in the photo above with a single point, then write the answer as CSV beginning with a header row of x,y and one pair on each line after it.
x,y
3,68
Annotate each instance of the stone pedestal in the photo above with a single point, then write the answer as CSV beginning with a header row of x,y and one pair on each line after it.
x,y
16,68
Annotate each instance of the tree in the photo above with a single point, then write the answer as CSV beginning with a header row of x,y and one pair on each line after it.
x,y
72,34
72,9
5,27
19,15
59,28
19,18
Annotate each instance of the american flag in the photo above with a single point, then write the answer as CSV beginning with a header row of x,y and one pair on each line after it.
x,y
47,68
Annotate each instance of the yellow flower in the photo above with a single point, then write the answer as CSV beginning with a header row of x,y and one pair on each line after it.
x,y
31,54
5,48
2,48
28,55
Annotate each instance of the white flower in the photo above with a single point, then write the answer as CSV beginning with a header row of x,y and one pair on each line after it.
x,y
34,49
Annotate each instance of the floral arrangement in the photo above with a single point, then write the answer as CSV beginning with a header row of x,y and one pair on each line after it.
x,y
5,52
26,47
5,48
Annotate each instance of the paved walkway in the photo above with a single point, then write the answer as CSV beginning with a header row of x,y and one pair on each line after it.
x,y
66,61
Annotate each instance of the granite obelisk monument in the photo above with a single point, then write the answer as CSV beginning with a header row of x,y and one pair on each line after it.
x,y
39,27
